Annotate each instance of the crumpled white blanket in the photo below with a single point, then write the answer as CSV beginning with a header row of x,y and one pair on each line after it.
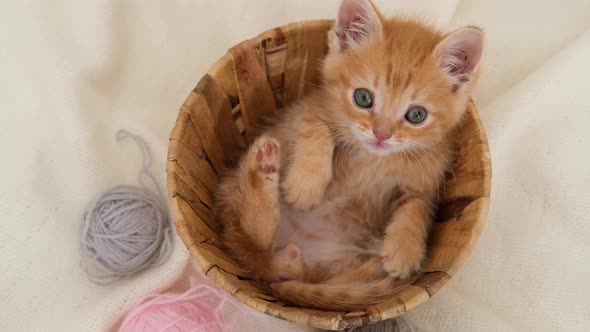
x,y
74,72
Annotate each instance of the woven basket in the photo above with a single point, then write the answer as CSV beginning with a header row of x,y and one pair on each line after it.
x,y
257,78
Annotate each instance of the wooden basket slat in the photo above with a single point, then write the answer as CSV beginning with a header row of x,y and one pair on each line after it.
x,y
390,308
472,161
196,106
200,229
452,242
236,110
208,258
200,173
327,320
185,132
412,295
294,67
240,125
317,48
448,260
252,291
255,95
175,169
246,284
228,136
180,189
306,49
271,48
359,318
223,72
244,290
274,60
431,282
269,40
252,301
460,232
222,259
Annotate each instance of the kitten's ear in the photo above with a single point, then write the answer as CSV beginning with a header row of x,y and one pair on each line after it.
x,y
459,53
358,20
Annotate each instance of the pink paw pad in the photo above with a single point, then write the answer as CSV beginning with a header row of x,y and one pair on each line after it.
x,y
267,157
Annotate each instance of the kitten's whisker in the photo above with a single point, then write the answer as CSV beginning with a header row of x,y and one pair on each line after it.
x,y
434,139
419,164
449,166
426,154
432,168
406,157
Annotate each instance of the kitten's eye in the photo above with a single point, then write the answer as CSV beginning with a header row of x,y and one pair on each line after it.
x,y
363,98
416,115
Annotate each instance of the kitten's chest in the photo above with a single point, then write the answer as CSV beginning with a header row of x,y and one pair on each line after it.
x,y
364,177
365,185
366,189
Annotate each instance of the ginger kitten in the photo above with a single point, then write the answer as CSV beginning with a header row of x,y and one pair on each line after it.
x,y
332,205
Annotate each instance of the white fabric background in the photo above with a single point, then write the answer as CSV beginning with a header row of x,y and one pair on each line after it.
x,y
73,72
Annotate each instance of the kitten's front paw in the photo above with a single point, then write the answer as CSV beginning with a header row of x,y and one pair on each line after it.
x,y
304,190
401,258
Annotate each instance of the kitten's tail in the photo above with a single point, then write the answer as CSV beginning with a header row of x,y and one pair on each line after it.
x,y
347,296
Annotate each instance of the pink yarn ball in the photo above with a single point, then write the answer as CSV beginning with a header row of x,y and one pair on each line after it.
x,y
198,309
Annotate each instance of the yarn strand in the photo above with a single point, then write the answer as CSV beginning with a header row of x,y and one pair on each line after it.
x,y
146,161
126,229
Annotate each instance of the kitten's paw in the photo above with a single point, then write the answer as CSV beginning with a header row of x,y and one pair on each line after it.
x,y
266,155
401,258
287,264
304,190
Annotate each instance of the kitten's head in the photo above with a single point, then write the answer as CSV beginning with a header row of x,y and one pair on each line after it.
x,y
397,84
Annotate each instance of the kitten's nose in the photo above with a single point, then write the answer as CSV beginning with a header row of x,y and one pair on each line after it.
x,y
381,135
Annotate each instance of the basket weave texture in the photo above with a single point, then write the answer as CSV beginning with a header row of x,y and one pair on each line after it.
x,y
256,78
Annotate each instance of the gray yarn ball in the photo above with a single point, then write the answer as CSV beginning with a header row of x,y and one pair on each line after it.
x,y
126,229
